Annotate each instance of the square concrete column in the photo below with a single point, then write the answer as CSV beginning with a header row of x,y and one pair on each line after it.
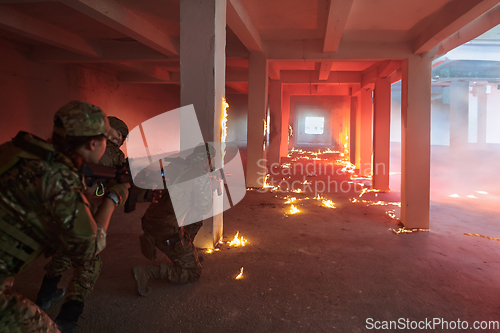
x,y
415,141
481,116
364,119
459,115
276,124
202,77
381,134
352,130
285,121
257,107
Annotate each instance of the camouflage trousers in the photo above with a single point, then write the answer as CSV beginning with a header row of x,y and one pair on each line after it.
x,y
186,268
18,314
84,276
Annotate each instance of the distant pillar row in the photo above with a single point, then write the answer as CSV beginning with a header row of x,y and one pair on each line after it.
x,y
381,134
257,108
202,73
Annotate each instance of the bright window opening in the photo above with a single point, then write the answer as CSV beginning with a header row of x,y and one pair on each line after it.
x,y
315,125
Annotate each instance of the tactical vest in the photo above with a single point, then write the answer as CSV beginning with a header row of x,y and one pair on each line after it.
x,y
24,146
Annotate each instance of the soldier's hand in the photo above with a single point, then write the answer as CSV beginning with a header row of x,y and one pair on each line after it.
x,y
121,190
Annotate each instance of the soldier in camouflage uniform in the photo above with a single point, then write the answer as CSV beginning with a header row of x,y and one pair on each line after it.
x,y
84,276
161,224
43,209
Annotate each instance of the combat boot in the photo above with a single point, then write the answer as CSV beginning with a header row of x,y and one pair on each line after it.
x,y
49,292
142,274
68,317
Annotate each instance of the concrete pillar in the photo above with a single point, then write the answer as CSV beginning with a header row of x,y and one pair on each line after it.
x,y
459,115
381,134
415,141
257,106
481,116
364,118
276,124
352,130
202,77
285,121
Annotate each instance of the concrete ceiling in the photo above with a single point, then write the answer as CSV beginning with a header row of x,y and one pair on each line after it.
x,y
139,40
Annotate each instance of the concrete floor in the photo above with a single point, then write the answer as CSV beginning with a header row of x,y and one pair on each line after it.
x,y
320,270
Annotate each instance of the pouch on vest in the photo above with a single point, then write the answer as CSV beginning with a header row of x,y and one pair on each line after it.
x,y
148,247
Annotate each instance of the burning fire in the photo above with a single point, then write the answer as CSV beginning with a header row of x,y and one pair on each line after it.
x,y
223,138
299,190
328,203
392,214
294,210
368,190
238,241
403,230
482,236
240,275
290,200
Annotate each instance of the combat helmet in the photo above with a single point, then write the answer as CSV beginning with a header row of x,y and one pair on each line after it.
x,y
81,119
118,125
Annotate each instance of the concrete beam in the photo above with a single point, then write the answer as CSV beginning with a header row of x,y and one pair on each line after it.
x,y
388,67
108,52
476,28
324,71
122,19
149,70
137,77
313,77
312,50
242,25
307,89
448,20
27,26
338,12
274,71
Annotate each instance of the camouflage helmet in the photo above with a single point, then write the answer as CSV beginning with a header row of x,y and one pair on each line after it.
x,y
81,119
118,125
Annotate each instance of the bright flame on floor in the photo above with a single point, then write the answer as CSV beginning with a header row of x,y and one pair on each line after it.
x,y
403,230
391,214
240,275
368,190
328,203
290,200
238,241
294,210
299,190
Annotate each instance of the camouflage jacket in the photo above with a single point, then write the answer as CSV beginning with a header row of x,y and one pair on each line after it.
x,y
42,208
113,156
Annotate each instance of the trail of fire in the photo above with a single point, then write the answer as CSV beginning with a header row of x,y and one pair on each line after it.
x,y
482,236
403,230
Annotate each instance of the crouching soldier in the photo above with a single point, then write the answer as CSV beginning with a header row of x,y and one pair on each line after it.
x,y
172,231
43,208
